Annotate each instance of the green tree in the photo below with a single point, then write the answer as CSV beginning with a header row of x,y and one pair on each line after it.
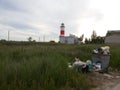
x,y
81,37
87,41
30,39
100,40
34,40
94,35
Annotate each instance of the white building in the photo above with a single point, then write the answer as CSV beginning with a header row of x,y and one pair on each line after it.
x,y
71,39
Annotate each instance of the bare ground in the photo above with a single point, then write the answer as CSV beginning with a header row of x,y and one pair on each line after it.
x,y
110,81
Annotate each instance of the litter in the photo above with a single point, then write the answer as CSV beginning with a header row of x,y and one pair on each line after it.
x,y
101,58
97,66
108,76
102,50
83,67
100,61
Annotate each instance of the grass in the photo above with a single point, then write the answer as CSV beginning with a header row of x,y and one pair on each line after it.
x,y
115,57
43,66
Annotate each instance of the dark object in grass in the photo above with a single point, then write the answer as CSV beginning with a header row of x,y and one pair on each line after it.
x,y
83,70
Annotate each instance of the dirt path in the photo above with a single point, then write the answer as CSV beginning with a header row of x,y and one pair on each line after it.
x,y
112,86
109,81
117,87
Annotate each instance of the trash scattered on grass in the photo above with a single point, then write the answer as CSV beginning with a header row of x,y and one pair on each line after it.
x,y
81,66
99,62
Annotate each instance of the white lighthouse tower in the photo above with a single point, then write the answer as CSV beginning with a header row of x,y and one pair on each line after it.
x,y
62,33
62,28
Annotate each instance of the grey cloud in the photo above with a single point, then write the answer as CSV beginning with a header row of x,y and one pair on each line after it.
x,y
22,26
30,15
9,5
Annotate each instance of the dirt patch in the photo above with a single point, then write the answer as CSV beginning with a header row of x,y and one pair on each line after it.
x,y
106,81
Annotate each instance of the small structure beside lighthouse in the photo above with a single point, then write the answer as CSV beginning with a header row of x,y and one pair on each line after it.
x,y
71,39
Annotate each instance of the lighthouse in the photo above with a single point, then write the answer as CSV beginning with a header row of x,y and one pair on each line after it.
x,y
71,39
62,28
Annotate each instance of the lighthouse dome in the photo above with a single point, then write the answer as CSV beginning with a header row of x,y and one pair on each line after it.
x,y
62,24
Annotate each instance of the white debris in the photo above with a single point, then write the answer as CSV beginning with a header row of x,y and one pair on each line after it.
x,y
108,76
117,76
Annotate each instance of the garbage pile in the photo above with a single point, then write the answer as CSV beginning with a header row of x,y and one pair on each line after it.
x,y
102,50
83,67
99,62
101,57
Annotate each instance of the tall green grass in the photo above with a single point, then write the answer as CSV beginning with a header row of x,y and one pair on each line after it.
x,y
44,66
115,57
39,67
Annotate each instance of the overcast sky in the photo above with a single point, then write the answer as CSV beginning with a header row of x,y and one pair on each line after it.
x,y
42,18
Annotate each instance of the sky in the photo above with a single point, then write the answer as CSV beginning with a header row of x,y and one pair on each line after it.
x,y
41,19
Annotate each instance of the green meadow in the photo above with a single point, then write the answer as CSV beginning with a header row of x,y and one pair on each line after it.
x,y
44,66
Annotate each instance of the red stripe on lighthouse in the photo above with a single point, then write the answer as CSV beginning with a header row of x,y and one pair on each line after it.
x,y
62,32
